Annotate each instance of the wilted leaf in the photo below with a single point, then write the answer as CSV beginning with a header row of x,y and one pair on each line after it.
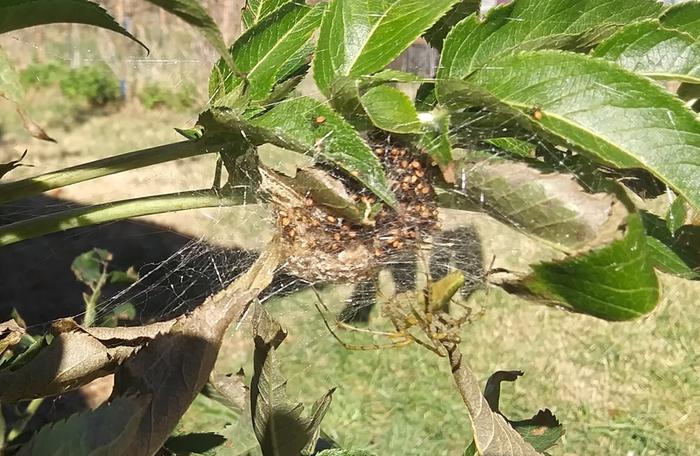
x,y
12,164
192,12
103,431
653,51
32,127
10,334
493,436
278,423
615,117
390,109
535,24
615,282
18,14
306,125
229,390
174,366
358,38
551,206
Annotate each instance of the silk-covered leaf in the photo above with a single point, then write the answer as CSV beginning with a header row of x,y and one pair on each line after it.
x,y
263,53
535,24
358,37
514,146
551,206
660,53
615,282
308,126
19,14
103,431
614,117
391,110
256,10
684,17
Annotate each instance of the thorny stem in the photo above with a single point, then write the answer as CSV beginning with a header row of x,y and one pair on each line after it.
x,y
132,160
118,210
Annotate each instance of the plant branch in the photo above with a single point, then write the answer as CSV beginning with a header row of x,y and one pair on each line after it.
x,y
118,210
132,160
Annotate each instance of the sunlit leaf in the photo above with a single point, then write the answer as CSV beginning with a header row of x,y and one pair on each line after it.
x,y
390,109
88,266
615,282
676,215
653,51
309,126
685,17
615,117
437,33
269,51
256,10
19,14
358,38
535,24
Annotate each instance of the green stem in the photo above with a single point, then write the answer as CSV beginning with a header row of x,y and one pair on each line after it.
x,y
118,210
91,304
29,412
104,167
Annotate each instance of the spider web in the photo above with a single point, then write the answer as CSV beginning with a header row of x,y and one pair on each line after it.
x,y
184,269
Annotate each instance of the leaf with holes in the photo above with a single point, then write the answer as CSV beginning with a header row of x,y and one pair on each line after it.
x,y
615,117
536,24
19,14
616,282
659,53
308,126
358,37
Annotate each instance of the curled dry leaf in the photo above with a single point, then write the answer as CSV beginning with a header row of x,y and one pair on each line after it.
x,y
10,334
493,435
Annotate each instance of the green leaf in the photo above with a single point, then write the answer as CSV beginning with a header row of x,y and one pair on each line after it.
x,y
272,49
675,217
308,126
514,146
192,12
97,432
673,252
390,109
615,117
360,37
536,24
19,14
615,282
89,266
551,206
256,10
684,17
437,33
435,139
653,51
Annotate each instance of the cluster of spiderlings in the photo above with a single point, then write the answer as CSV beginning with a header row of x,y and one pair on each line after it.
x,y
324,246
